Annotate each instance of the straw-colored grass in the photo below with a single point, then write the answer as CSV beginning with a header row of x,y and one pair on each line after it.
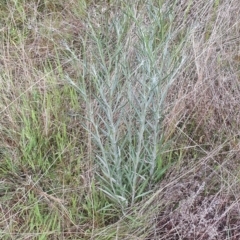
x,y
119,119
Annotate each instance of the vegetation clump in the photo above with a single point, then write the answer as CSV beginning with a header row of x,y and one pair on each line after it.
x,y
119,119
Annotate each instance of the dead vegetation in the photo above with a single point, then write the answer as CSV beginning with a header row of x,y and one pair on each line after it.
x,y
47,166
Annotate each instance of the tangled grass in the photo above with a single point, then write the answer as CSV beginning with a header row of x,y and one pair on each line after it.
x,y
119,119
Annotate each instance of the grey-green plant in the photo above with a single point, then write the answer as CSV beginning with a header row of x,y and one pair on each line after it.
x,y
130,61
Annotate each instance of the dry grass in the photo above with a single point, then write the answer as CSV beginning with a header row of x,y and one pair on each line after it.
x,y
56,166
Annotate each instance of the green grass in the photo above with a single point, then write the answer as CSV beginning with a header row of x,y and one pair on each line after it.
x,y
118,119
